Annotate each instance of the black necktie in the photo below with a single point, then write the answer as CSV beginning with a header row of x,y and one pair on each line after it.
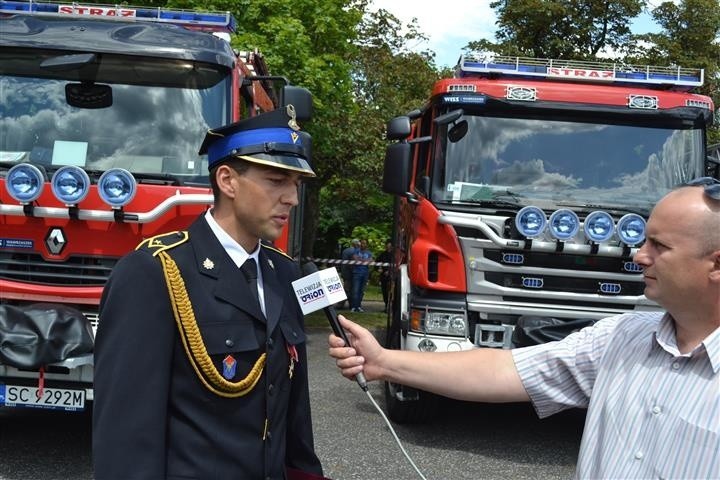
x,y
249,269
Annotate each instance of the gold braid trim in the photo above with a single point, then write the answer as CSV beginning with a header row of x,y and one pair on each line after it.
x,y
193,343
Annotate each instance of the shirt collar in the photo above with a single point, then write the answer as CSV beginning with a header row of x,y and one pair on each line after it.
x,y
236,252
666,338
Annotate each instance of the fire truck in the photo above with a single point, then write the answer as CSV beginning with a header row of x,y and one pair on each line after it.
x,y
102,112
523,187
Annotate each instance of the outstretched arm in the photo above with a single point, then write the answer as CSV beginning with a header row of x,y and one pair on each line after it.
x,y
484,375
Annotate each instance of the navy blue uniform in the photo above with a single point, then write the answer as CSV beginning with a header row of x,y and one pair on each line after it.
x,y
153,416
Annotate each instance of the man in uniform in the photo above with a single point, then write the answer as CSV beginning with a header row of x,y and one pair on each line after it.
x,y
200,359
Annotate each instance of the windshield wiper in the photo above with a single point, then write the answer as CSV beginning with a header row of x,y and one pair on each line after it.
x,y
644,212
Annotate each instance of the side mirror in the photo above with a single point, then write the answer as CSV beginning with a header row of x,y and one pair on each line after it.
x,y
399,128
300,98
396,171
458,131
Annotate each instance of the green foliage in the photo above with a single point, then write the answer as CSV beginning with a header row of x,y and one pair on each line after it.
x,y
561,29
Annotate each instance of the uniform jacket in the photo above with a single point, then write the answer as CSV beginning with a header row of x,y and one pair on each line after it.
x,y
153,418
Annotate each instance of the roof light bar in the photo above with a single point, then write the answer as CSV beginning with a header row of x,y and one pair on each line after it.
x,y
206,21
487,63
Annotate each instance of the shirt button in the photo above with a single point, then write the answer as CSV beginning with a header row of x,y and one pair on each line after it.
x,y
656,410
639,455
229,342
675,365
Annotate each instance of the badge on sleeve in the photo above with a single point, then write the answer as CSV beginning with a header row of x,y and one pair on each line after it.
x,y
229,367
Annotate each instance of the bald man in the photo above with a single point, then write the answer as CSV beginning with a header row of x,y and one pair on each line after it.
x,y
650,381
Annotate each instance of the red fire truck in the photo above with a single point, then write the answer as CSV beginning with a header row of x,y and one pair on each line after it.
x,y
102,112
524,186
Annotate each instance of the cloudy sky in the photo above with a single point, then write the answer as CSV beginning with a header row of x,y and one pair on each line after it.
x,y
451,24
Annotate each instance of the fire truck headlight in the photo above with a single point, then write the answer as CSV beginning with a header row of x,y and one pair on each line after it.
x,y
70,184
599,226
531,221
117,187
25,182
444,323
564,224
631,229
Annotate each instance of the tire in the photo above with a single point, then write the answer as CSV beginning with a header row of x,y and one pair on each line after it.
x,y
418,410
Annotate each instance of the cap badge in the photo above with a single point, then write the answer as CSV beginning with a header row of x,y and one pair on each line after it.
x,y
208,264
292,123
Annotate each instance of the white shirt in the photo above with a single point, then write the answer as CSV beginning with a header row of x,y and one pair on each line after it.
x,y
652,411
238,254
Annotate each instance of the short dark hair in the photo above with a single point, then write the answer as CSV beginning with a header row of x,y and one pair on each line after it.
x,y
237,164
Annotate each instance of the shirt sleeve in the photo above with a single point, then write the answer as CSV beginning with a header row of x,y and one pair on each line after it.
x,y
561,375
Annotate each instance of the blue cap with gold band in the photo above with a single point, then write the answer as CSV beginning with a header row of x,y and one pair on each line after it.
x,y
272,139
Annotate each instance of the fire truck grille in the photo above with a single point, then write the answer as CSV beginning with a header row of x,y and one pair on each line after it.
x,y
563,284
77,270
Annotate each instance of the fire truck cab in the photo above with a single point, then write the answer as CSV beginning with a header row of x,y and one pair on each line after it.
x,y
102,112
523,189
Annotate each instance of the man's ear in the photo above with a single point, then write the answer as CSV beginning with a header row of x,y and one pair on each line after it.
x,y
715,271
225,176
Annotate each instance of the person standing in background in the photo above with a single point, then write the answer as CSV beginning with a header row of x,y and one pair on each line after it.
x,y
346,270
385,257
360,274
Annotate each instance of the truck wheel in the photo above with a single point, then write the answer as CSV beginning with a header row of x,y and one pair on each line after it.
x,y
403,404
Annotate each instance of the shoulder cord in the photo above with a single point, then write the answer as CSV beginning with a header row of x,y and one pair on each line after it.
x,y
192,340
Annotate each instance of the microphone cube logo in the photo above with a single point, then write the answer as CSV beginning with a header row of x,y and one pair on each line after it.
x,y
319,290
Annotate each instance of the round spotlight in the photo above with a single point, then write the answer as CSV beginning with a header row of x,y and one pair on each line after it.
x,y
631,229
599,226
564,224
25,182
117,187
70,184
531,221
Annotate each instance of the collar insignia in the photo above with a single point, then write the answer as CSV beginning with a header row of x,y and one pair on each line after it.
x,y
208,264
272,265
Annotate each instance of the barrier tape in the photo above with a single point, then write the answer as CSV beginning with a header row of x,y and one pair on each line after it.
x,y
346,262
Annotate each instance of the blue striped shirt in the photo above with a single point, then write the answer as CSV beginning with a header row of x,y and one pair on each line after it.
x,y
652,411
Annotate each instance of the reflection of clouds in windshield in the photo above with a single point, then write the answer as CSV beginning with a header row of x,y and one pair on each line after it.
x,y
665,171
143,121
532,174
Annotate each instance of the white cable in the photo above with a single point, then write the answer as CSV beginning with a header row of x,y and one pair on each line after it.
x,y
392,430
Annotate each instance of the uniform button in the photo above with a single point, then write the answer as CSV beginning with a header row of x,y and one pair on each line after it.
x,y
656,410
229,342
639,455
271,387
675,365
269,436
270,342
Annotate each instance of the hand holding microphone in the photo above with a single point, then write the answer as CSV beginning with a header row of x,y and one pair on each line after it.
x,y
322,289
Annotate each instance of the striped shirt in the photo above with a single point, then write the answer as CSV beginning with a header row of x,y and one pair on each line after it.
x,y
652,411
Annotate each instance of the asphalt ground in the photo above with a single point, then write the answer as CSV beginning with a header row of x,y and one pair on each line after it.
x,y
465,441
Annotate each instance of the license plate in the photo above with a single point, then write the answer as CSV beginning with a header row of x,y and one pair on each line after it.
x,y
52,398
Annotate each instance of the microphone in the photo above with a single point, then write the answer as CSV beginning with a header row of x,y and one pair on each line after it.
x,y
322,289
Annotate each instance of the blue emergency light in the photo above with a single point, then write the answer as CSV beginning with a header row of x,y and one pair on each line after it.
x,y
486,63
207,21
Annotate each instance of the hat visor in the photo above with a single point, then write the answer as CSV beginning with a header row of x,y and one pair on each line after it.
x,y
285,162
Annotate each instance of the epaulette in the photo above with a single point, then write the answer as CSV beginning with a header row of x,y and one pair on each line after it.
x,y
165,241
277,250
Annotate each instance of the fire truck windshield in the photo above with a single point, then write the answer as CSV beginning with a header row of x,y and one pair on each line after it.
x,y
159,113
549,162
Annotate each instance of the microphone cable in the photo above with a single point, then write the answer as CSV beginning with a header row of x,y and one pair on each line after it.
x,y
392,430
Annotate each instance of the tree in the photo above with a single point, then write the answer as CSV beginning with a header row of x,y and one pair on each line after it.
x,y
561,28
388,79
689,37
